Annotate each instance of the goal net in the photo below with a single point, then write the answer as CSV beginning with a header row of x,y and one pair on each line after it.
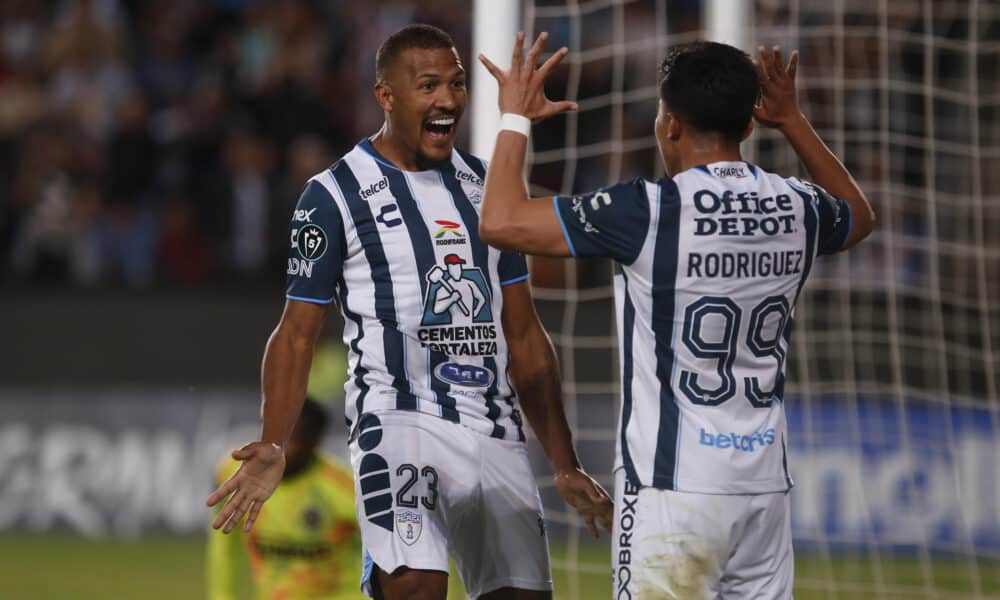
x,y
893,404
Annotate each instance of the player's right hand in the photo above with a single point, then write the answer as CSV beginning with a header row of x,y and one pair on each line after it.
x,y
454,297
589,498
248,488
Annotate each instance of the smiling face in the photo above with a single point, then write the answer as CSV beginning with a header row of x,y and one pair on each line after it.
x,y
424,96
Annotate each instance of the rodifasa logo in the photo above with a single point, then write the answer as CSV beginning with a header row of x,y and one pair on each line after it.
x,y
448,233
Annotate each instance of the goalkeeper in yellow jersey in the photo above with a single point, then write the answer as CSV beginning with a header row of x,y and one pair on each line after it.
x,y
306,542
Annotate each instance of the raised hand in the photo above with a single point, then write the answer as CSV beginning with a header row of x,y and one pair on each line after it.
x,y
522,87
580,491
248,488
779,104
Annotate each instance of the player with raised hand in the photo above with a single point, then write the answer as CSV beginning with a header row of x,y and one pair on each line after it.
x,y
710,263
445,350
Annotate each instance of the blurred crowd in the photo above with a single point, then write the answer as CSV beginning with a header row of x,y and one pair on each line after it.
x,y
167,141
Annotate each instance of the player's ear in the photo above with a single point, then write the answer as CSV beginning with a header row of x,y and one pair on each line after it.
x,y
383,95
747,131
674,127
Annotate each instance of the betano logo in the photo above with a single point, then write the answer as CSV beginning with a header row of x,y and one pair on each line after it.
x,y
448,227
746,443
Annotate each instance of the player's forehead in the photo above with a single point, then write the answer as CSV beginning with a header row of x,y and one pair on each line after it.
x,y
415,63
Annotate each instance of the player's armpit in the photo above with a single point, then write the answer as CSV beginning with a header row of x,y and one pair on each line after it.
x,y
530,226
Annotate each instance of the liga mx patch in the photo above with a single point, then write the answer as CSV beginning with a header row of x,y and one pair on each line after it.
x,y
311,242
409,524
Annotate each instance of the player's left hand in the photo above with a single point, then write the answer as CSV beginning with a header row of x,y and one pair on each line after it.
x,y
779,104
583,493
251,485
522,87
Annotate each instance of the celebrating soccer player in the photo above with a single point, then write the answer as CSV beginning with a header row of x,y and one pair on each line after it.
x,y
445,346
710,264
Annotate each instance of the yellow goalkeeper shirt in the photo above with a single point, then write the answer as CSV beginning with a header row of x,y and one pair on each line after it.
x,y
305,544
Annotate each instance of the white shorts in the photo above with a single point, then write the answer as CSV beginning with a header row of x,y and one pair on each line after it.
x,y
700,546
427,488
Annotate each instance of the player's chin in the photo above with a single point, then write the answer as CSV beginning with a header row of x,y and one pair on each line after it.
x,y
437,145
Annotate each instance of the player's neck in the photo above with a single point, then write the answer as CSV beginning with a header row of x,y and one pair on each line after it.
x,y
704,151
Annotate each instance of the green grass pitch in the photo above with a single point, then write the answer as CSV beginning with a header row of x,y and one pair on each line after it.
x,y
51,568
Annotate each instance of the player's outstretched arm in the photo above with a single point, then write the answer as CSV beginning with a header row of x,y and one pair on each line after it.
x,y
510,220
535,374
284,378
779,108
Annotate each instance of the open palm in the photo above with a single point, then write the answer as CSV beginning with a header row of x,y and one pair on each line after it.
x,y
522,87
251,485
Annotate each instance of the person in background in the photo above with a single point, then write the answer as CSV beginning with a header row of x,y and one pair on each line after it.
x,y
306,542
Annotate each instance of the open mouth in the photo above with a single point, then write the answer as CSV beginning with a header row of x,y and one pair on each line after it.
x,y
440,128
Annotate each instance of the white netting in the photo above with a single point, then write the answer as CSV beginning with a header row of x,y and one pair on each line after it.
x,y
893,395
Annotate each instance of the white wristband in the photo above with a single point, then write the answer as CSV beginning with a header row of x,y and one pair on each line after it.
x,y
513,122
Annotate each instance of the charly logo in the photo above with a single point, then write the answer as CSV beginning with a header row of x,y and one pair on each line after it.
x,y
311,242
409,524
464,375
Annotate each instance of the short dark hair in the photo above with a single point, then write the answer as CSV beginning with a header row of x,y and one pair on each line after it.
x,y
425,37
710,86
313,419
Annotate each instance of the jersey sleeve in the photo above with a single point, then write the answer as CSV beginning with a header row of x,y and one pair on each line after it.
x,y
318,246
610,222
512,267
834,215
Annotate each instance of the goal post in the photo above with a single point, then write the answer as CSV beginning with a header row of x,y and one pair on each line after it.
x,y
494,25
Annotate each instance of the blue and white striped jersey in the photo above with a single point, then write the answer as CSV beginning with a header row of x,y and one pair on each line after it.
x,y
709,267
420,293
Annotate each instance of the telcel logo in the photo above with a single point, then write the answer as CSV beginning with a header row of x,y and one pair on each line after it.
x,y
744,443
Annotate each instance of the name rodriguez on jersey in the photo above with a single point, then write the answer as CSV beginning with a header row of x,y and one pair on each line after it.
x,y
745,215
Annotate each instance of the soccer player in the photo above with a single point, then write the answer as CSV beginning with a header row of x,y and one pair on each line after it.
x,y
710,263
438,380
306,542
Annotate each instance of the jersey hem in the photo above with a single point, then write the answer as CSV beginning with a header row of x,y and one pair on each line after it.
x,y
367,575
850,225
310,300
519,583
770,486
513,280
562,225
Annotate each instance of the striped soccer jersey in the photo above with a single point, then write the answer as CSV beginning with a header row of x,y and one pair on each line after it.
x,y
710,264
420,293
